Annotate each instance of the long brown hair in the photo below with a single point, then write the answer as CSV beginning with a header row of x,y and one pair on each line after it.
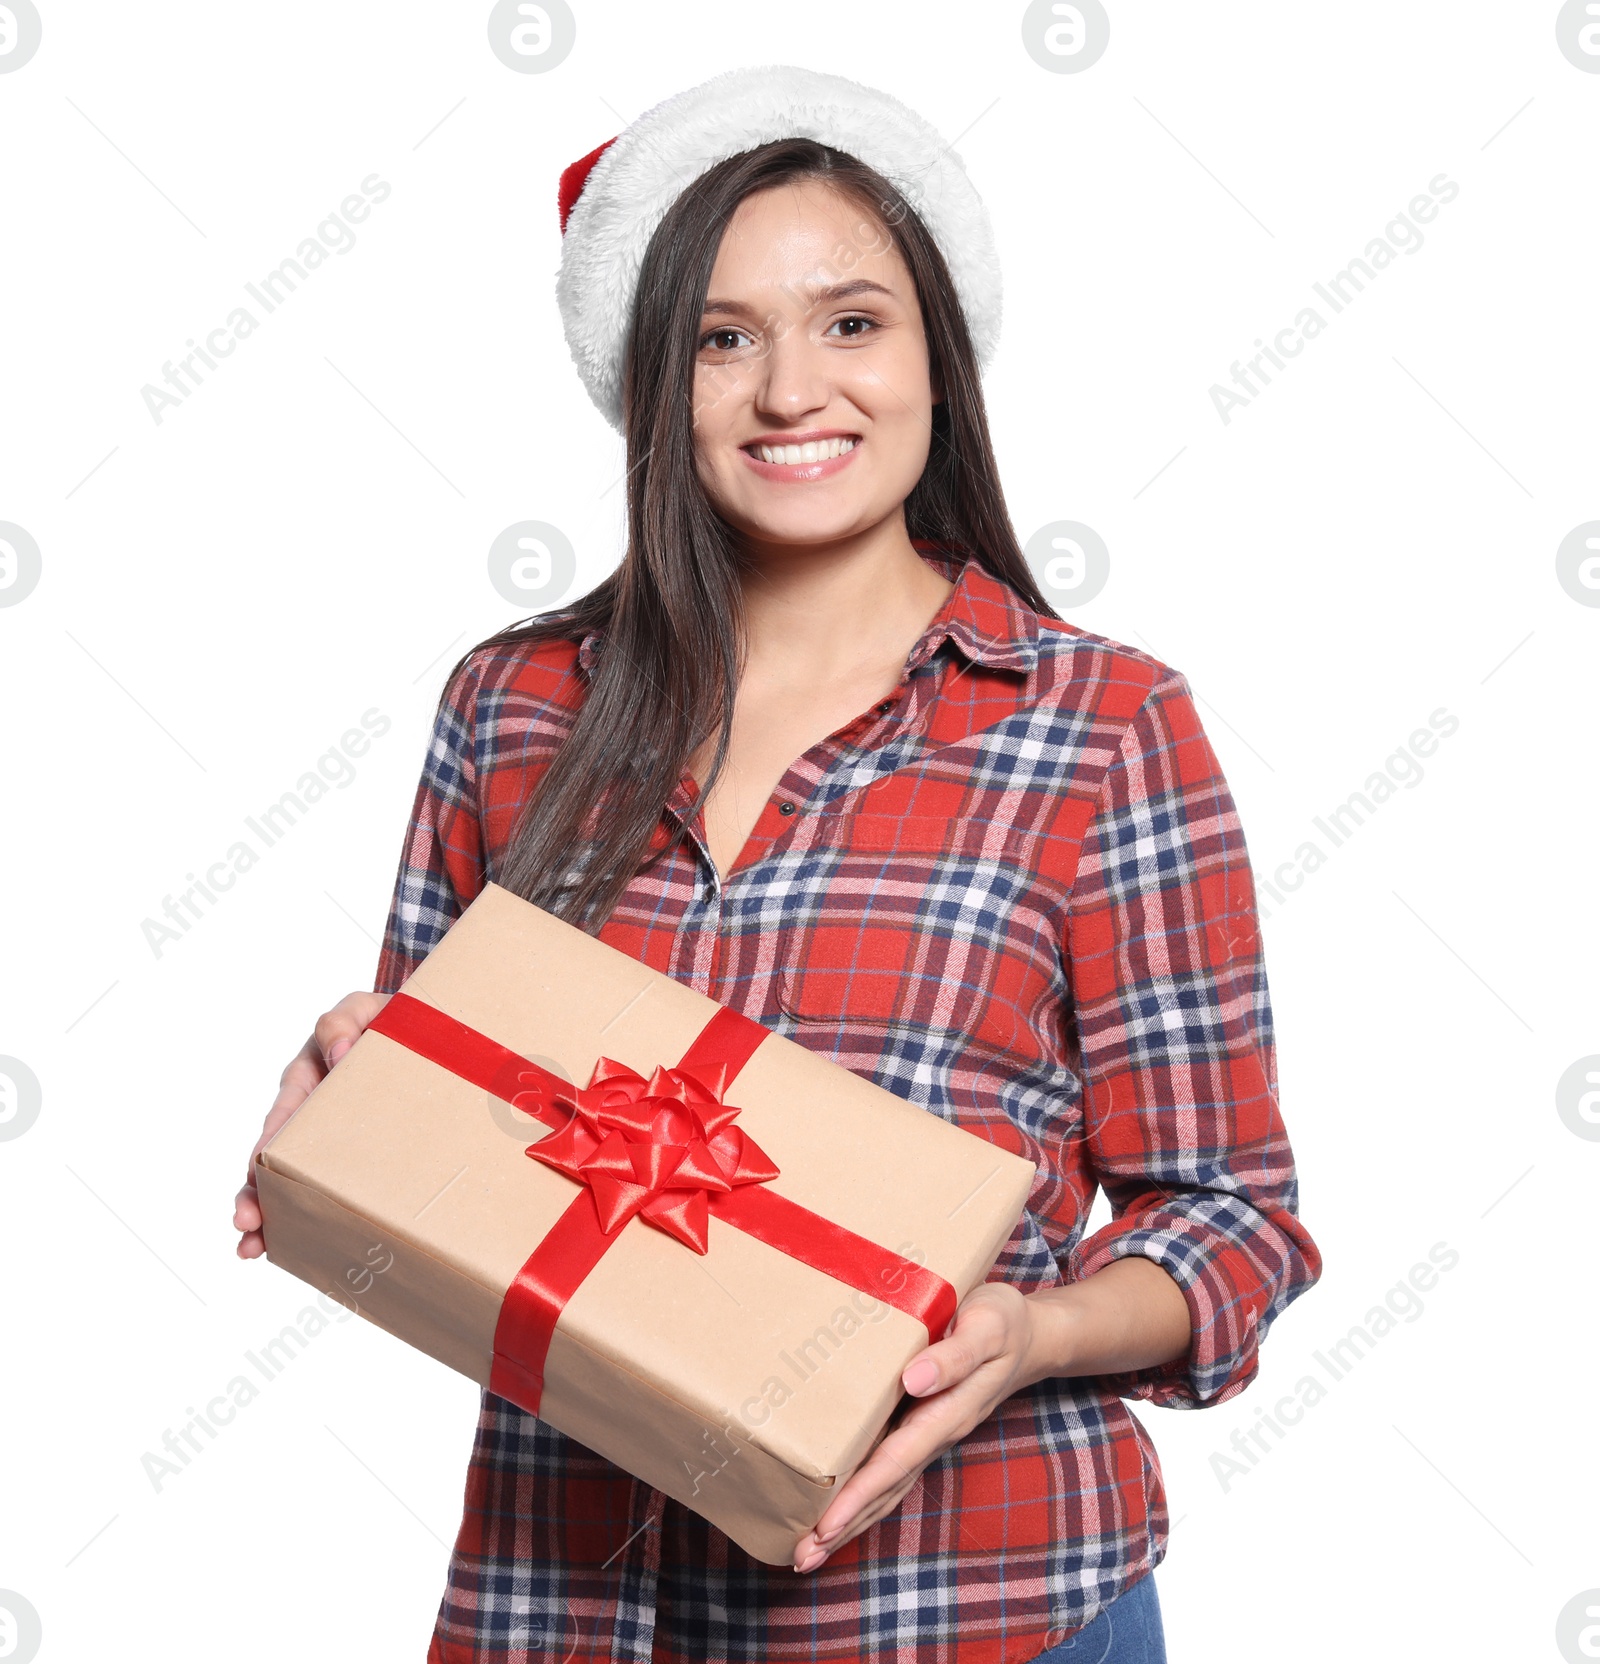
x,y
674,628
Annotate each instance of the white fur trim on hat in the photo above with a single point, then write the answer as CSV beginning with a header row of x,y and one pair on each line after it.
x,y
643,171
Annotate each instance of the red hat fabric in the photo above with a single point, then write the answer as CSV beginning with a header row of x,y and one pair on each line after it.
x,y
572,180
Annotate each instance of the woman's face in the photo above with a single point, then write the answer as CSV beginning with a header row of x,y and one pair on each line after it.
x,y
811,336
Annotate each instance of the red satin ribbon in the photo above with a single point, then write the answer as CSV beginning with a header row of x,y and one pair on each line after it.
x,y
553,1272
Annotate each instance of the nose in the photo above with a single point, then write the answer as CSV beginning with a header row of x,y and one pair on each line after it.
x,y
794,379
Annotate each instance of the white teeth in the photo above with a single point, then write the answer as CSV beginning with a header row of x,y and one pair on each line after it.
x,y
818,450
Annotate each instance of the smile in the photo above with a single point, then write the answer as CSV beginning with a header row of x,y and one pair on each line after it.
x,y
815,460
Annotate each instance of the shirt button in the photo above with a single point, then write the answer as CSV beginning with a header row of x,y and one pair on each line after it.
x,y
785,808
711,892
887,705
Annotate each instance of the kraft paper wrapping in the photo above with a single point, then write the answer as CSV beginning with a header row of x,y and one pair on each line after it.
x,y
741,1382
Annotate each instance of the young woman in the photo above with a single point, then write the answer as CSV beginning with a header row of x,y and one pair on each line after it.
x,y
821,749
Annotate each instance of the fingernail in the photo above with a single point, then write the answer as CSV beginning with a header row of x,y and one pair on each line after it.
x,y
337,1050
811,1561
920,1377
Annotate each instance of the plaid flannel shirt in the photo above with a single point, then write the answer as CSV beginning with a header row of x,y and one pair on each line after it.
x,y
1017,893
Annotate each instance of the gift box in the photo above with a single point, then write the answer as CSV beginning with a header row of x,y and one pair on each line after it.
x,y
683,1240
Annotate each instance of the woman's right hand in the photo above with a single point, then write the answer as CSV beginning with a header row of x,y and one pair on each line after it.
x,y
336,1032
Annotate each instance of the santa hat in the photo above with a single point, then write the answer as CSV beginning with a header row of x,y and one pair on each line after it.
x,y
612,200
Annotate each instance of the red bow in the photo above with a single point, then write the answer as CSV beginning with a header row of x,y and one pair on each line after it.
x,y
653,1147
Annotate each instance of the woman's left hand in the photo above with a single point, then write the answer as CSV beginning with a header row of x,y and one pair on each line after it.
x,y
985,1357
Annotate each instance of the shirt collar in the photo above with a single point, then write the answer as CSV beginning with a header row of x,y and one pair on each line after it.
x,y
985,618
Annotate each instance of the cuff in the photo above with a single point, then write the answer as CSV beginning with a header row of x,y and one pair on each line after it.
x,y
1226,1297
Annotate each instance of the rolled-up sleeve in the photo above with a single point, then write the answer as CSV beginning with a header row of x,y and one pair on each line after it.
x,y
441,861
1174,1040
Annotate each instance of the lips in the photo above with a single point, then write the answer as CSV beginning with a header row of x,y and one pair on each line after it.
x,y
819,467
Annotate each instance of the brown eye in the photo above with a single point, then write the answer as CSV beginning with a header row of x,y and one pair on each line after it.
x,y
716,338
855,318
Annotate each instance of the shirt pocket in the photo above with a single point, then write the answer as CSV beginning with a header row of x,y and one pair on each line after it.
x,y
917,923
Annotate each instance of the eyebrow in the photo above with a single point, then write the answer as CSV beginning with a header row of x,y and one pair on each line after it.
x,y
816,295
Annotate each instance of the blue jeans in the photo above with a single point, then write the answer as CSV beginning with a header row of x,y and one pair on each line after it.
x,y
1128,1631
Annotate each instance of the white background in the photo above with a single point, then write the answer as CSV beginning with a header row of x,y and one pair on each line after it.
x,y
224,592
